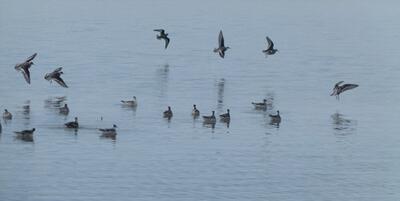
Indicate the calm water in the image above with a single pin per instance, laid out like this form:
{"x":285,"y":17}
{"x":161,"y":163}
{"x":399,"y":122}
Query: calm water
{"x":323,"y":149}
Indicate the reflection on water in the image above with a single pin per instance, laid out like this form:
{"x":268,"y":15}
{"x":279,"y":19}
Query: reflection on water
{"x":25,"y":138}
{"x":162,"y":78}
{"x":342,"y":125}
{"x":220,"y":94}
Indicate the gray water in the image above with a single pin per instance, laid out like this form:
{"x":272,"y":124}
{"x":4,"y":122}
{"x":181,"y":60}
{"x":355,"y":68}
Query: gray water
{"x":323,"y":149}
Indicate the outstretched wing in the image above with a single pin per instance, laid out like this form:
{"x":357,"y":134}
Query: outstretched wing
{"x":166,"y":42}
{"x":221,"y":39}
{"x":60,"y":81}
{"x":270,"y":44}
{"x":348,"y":87}
{"x":337,"y":84}
{"x":159,"y":30}
{"x":30,"y":58}
{"x":27,"y":75}
{"x":57,"y":70}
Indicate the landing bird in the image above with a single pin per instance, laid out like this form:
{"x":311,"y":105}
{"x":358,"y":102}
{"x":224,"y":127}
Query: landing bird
{"x":221,"y":45}
{"x":24,"y":68}
{"x":56,"y":76}
{"x":340,"y":89}
{"x":270,"y":48}
{"x":163,"y":35}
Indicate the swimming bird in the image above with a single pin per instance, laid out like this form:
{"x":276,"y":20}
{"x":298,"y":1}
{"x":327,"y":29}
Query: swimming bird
{"x":195,"y":111}
{"x":7,"y":114}
{"x":24,"y":68}
{"x":270,"y":48}
{"x":56,"y":76}
{"x":276,"y":118}
{"x":163,"y":35}
{"x":25,"y":133}
{"x":221,"y":45}
{"x":225,"y":117}
{"x":260,"y":106}
{"x":73,"y":124}
{"x":109,"y":132}
{"x":106,"y":130}
{"x":64,"y":110}
{"x":210,"y":119}
{"x":168,"y":113}
{"x":338,"y":89}
{"x":131,"y":103}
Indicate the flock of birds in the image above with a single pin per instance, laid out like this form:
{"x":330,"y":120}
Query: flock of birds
{"x":112,"y":132}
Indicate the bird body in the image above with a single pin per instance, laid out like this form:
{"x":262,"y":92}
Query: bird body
{"x":270,"y":48}
{"x":262,"y":105}
{"x":64,"y":110}
{"x":275,"y":117}
{"x":24,"y":68}
{"x":7,"y":114}
{"x":164,"y":36}
{"x":25,"y":133}
{"x":73,"y":124}
{"x":225,"y":117}
{"x":195,"y":111}
{"x":210,"y":119}
{"x":221,"y":45}
{"x":168,"y":113}
{"x":132,"y":103}
{"x":56,"y":76}
{"x":338,"y":89}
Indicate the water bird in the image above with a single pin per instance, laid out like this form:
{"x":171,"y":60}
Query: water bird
{"x":113,"y":129}
{"x":260,"y":106}
{"x":168,"y":113}
{"x":276,"y":118}
{"x":64,"y":110}
{"x":25,"y":133}
{"x":338,"y":89}
{"x":163,"y":35}
{"x":24,"y":67}
{"x":7,"y":114}
{"x":221,"y":45}
{"x":195,"y":111}
{"x":270,"y":48}
{"x":210,"y":119}
{"x":72,"y":124}
{"x":56,"y":76}
{"x":131,"y":103}
{"x":109,"y":132}
{"x":225,"y":117}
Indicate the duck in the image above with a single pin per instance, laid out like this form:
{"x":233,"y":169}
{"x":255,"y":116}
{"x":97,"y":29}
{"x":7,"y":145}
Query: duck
{"x":25,"y":133}
{"x":64,"y":110}
{"x":131,"y":103}
{"x":56,"y":76}
{"x":210,"y":119}
{"x":168,"y":113}
{"x":109,"y":132}
{"x":195,"y":111}
{"x":262,"y":105}
{"x":270,"y":48}
{"x":7,"y":114}
{"x":225,"y":117}
{"x":338,"y":89}
{"x":275,"y":117}
{"x":164,"y":36}
{"x":221,"y":45}
{"x":73,"y":124}
{"x":24,"y":67}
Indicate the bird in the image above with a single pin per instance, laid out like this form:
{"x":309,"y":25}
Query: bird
{"x":132,"y":103}
{"x":56,"y":76}
{"x":24,"y":68}
{"x":64,"y":110}
{"x":73,"y":124}
{"x":168,"y":113}
{"x":105,"y":130}
{"x":221,"y":45}
{"x":225,"y":117}
{"x":195,"y":111}
{"x":276,"y":118}
{"x":25,"y":133}
{"x":270,"y":48}
{"x":260,"y":106}
{"x":338,"y":89}
{"x":210,"y":119}
{"x":7,"y":114}
{"x":163,"y":35}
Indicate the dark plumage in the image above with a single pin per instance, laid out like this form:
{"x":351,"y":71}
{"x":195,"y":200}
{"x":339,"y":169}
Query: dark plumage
{"x":210,"y":119}
{"x":226,"y":116}
{"x":338,"y":89}
{"x":221,"y":45}
{"x":260,"y":106}
{"x":64,"y":110}
{"x":275,"y":117}
{"x":270,"y":48}
{"x":163,"y":35}
{"x":109,"y":130}
{"x":168,"y":113}
{"x":25,"y":132}
{"x":56,"y":76}
{"x":73,"y":124}
{"x":195,"y":111}
{"x":24,"y":68}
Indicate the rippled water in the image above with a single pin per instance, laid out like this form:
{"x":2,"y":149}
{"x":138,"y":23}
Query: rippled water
{"x":323,"y":149}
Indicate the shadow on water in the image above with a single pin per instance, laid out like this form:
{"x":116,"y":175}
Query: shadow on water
{"x":343,"y":126}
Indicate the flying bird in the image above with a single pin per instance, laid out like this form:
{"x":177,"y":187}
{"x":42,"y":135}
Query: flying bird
{"x":221,"y":45}
{"x":270,"y":48}
{"x":56,"y":76}
{"x":338,"y":89}
{"x":24,"y":68}
{"x":163,"y":35}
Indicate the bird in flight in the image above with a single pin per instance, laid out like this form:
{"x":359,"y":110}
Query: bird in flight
{"x":221,"y":45}
{"x":56,"y":76}
{"x":270,"y":48}
{"x":338,"y":89}
{"x":24,"y":68}
{"x":163,"y":35}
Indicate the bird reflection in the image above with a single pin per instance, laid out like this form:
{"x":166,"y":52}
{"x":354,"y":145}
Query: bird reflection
{"x":220,"y":95}
{"x":162,"y":77}
{"x":342,"y":125}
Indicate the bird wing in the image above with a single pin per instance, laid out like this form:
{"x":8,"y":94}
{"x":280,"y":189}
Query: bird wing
{"x":58,"y":69}
{"x":60,"y":81}
{"x":221,"y":39}
{"x":348,"y":87}
{"x":337,"y":84}
{"x":30,"y":58}
{"x":270,"y":44}
{"x":159,"y":30}
{"x":166,"y":42}
{"x":27,"y":75}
